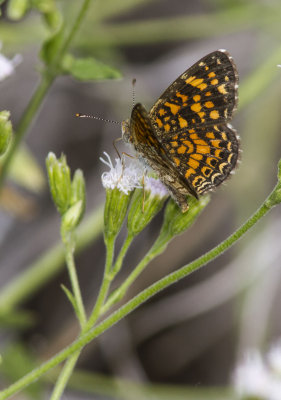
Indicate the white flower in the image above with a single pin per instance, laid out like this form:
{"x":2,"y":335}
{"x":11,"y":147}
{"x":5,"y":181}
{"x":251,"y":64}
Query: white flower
{"x":7,"y":66}
{"x":156,"y":187}
{"x":274,"y":358}
{"x":251,"y":377}
{"x":124,"y":178}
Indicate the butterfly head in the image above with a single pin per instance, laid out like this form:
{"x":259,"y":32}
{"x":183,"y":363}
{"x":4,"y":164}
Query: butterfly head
{"x":125,"y":129}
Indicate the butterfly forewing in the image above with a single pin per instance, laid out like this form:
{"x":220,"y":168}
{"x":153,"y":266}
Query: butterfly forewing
{"x":205,"y":94}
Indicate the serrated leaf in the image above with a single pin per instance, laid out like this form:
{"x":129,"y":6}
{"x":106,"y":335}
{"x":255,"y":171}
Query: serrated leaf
{"x":51,"y":46}
{"x":89,"y":69}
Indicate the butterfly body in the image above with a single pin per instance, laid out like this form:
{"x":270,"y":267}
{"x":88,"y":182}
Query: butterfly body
{"x":186,"y":137}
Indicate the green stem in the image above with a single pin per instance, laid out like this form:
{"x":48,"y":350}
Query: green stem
{"x":48,"y":265}
{"x":137,"y":301}
{"x":119,"y":293}
{"x":121,"y":255}
{"x":64,"y":376}
{"x":25,"y":121}
{"x":75,"y":27}
{"x":104,"y":286}
{"x":47,"y":79}
{"x":69,"y":249}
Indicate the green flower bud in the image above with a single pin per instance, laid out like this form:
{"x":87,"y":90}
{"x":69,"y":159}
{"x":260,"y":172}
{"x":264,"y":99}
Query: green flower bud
{"x":144,"y":206}
{"x":116,"y":205}
{"x":43,"y":6}
{"x":72,"y":217}
{"x":17,"y":9}
{"x":59,"y":181}
{"x":53,"y":19}
{"x":78,"y":190}
{"x":6,"y":131}
{"x":175,"y":222}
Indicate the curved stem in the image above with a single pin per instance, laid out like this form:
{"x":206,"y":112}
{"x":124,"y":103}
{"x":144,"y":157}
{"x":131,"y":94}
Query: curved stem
{"x":104,"y":286}
{"x":25,"y":122}
{"x":119,"y":261}
{"x":48,"y":265}
{"x":136,"y":302}
{"x":69,"y":248}
{"x":36,"y":100}
{"x":64,"y":376}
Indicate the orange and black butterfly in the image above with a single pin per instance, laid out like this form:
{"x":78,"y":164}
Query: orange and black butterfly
{"x":186,"y":137}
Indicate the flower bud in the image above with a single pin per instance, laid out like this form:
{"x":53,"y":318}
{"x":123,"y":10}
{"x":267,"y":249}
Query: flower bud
{"x":145,"y":204}
{"x":59,"y":181}
{"x":116,"y":205}
{"x":17,"y":9}
{"x":175,"y":222}
{"x":6,"y":131}
{"x":78,"y":190}
{"x":72,"y":217}
{"x":119,"y":182}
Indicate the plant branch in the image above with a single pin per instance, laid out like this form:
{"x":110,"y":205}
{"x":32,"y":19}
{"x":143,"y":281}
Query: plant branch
{"x":140,"y":299}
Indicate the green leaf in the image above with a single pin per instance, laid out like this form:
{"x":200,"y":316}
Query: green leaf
{"x":51,"y":46}
{"x":6,"y":131}
{"x":89,"y":69}
{"x":71,"y":298}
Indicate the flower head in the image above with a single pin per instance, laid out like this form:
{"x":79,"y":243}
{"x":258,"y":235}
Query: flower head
{"x":146,"y":203}
{"x":7,"y":67}
{"x":156,"y":187}
{"x":124,"y":178}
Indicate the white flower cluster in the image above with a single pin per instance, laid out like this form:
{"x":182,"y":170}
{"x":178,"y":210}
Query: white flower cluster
{"x":156,"y":187}
{"x":258,"y":377}
{"x":129,"y":177}
{"x":124,"y":178}
{"x":7,"y":66}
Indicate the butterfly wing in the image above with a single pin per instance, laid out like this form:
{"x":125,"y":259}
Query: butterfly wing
{"x":205,"y":157}
{"x":205,"y":94}
{"x":153,"y":153}
{"x":191,"y":121}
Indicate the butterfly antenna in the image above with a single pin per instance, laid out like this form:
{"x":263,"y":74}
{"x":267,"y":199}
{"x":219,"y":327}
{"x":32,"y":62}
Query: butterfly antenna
{"x":134,"y":84}
{"x":79,"y":115}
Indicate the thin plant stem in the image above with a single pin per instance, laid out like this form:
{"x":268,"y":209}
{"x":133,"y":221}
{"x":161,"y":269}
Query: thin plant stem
{"x":25,"y":122}
{"x":119,"y":261}
{"x":69,"y":249}
{"x":49,"y":75}
{"x":119,"y":293}
{"x":104,"y":286}
{"x":139,"y":299}
{"x":64,"y":376}
{"x":49,"y":264}
{"x":75,"y":27}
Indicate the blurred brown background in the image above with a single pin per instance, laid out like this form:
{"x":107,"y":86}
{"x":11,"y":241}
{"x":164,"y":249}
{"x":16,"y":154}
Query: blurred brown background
{"x":194,"y":332}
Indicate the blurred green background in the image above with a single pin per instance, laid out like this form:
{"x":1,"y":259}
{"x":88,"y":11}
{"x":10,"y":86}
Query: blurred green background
{"x":190,"y":336}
